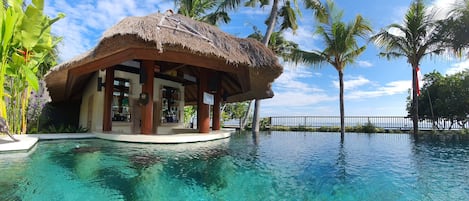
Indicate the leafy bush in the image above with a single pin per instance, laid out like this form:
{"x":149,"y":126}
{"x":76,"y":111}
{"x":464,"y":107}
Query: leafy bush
{"x":369,"y":128}
{"x":329,"y":129}
{"x":65,"y":129}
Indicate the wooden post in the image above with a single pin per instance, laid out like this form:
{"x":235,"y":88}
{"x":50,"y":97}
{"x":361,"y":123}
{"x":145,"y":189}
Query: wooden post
{"x":109,"y":88}
{"x":147,"y":87}
{"x":216,"y":105}
{"x":203,"y":118}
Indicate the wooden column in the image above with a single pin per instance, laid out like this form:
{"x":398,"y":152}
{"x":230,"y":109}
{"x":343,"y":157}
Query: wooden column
{"x":109,"y":88}
{"x":203,"y":118}
{"x":147,"y":87}
{"x":216,"y":105}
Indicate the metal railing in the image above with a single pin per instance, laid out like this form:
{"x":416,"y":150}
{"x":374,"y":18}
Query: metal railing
{"x":385,"y":122}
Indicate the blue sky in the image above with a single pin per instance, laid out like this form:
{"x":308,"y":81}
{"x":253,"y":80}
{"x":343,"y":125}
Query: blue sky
{"x":373,"y":85}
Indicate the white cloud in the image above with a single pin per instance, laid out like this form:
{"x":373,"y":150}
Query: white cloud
{"x":441,"y":8}
{"x":352,"y":83}
{"x":255,"y":11}
{"x":290,"y":80}
{"x":391,"y":88}
{"x":298,"y":98}
{"x":293,"y":90}
{"x":364,"y":64}
{"x":303,"y":36}
{"x":458,"y":67}
{"x":85,"y":21}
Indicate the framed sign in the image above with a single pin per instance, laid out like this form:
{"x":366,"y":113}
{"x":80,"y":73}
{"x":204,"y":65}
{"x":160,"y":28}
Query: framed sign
{"x":208,"y":98}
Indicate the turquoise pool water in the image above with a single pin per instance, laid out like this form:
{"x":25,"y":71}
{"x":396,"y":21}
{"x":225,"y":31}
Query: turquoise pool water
{"x":275,"y":166}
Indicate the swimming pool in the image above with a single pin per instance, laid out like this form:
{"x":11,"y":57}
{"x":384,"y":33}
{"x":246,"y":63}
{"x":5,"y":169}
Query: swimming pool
{"x":275,"y":166}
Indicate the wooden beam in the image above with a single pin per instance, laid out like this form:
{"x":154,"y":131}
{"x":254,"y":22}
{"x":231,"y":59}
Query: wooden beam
{"x":168,"y":55}
{"x":173,"y":68}
{"x":102,"y":63}
{"x":147,"y":87}
{"x":109,"y":88}
{"x":154,"y":55}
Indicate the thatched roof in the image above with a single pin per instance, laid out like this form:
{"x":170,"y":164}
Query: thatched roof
{"x":172,"y":39}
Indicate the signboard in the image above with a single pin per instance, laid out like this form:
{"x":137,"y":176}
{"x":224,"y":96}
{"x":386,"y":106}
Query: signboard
{"x":208,"y":98}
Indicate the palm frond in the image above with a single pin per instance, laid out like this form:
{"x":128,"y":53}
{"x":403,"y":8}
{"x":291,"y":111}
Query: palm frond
{"x":320,"y":12}
{"x":226,"y":5}
{"x":253,"y":3}
{"x":214,"y":18}
{"x":391,"y":55}
{"x":350,"y":56}
{"x":300,"y":56}
{"x":289,"y":17}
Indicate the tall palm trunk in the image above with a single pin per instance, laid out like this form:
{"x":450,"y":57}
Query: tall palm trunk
{"x":415,"y":106}
{"x":341,"y":97}
{"x":265,"y":41}
{"x":244,"y":120}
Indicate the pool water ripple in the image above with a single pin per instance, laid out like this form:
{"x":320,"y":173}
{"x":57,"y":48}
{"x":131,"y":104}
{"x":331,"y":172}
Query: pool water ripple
{"x":271,"y":166}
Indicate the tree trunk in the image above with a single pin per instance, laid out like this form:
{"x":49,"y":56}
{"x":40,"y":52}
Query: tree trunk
{"x":341,"y":97}
{"x":415,"y":106}
{"x":270,"y":28}
{"x":255,"y":117}
{"x":243,"y":120}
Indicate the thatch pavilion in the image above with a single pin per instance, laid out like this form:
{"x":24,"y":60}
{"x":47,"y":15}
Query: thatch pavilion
{"x":144,"y":70}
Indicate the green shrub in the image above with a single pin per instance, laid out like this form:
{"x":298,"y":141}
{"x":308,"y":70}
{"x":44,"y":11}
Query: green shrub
{"x":65,"y":129}
{"x":329,"y":129}
{"x":464,"y":131}
{"x":369,"y":128}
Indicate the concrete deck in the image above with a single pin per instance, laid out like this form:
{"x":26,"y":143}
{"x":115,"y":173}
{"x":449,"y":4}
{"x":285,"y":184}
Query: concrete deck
{"x":26,"y":142}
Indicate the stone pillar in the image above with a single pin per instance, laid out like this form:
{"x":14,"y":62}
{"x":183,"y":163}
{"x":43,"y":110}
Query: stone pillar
{"x":147,"y":89}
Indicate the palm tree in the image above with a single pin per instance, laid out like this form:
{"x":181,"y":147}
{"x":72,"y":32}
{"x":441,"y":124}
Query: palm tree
{"x":453,"y":30}
{"x":277,"y":43}
{"x":208,"y":11}
{"x":288,"y":15}
{"x":341,"y":47}
{"x":281,"y":47}
{"x":417,"y":38}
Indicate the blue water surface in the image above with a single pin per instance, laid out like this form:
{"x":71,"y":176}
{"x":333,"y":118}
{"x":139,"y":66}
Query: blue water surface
{"x":272,"y":166}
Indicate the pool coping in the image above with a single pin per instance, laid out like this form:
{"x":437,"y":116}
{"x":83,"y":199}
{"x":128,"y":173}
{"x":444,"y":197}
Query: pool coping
{"x":26,"y":142}
{"x":166,"y":139}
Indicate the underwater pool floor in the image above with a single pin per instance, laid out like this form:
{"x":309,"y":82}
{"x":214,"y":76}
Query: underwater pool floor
{"x":271,"y":166}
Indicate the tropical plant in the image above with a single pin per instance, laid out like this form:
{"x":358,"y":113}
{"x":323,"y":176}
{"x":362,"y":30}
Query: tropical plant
{"x":277,"y":43}
{"x":235,"y":111}
{"x":445,"y":99}
{"x":416,"y":38}
{"x":341,"y":47}
{"x":281,"y":47}
{"x":189,"y":113}
{"x":208,"y":11}
{"x":26,"y":44}
{"x":452,"y":31}
{"x":288,"y":15}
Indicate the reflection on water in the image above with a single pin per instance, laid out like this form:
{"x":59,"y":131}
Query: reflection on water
{"x":269,"y":166}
